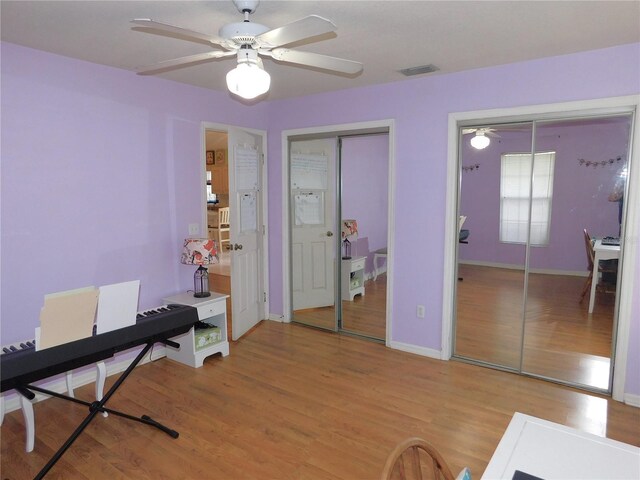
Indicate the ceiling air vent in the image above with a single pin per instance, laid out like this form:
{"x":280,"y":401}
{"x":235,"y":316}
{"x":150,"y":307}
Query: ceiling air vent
{"x":419,"y":70}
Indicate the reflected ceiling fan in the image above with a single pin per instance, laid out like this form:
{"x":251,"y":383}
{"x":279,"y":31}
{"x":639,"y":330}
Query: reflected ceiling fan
{"x":247,"y":41}
{"x":481,"y":138}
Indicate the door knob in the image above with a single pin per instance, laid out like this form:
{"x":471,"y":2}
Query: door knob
{"x":228,"y":247}
{"x":329,"y":234}
{"x":237,"y":246}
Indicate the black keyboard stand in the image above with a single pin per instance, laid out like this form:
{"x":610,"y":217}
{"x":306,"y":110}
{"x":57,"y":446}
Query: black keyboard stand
{"x":95,"y":408}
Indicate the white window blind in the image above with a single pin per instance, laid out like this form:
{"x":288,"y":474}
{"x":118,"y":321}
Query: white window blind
{"x":515,"y":191}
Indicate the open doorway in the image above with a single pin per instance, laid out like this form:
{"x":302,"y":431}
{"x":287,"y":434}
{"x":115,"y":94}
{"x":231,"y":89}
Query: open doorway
{"x":217,"y":195}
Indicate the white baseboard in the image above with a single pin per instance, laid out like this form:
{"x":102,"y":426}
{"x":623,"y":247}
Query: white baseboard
{"x":425,"y":352}
{"x":509,"y":266}
{"x":276,"y":318}
{"x":85,"y":376}
{"x":633,"y":400}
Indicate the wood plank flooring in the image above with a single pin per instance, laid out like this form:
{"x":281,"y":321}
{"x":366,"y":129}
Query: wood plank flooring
{"x":291,"y":402}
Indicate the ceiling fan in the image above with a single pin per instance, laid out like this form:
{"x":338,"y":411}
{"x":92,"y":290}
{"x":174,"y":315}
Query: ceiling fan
{"x":485,"y":131}
{"x":481,"y":138}
{"x":247,"y":41}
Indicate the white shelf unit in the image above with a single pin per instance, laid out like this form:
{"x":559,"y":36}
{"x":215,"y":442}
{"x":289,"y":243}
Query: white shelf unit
{"x":352,"y":277}
{"x":212,"y":310}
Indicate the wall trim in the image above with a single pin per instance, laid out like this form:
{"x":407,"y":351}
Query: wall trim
{"x":422,"y":351}
{"x":510,"y":266}
{"x":632,"y":400}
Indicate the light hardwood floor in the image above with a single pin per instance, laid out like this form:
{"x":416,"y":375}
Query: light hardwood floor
{"x":561,"y":339}
{"x":291,"y":402}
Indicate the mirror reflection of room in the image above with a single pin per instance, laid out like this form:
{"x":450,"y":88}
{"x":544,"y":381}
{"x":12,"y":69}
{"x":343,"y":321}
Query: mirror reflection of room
{"x":364,"y":232}
{"x":552,"y":316}
{"x":313,"y":232}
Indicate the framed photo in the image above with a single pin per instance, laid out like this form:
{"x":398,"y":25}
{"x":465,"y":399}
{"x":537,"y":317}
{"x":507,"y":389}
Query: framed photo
{"x":221,"y":157}
{"x":210,"y":157}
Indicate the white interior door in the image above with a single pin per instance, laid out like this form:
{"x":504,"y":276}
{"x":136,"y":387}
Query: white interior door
{"x":246,"y":229}
{"x":313,"y":240}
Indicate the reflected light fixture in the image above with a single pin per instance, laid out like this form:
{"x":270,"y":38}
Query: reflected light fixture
{"x":249,"y":79}
{"x":480,"y":140}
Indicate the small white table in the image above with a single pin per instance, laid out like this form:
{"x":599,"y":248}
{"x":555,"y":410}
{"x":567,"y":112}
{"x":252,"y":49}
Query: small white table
{"x":601,"y":252}
{"x":212,"y":310}
{"x":551,"y":451}
{"x":352,"y":277}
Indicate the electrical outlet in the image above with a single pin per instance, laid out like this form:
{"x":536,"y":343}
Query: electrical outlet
{"x":420,"y":311}
{"x":194,"y":228}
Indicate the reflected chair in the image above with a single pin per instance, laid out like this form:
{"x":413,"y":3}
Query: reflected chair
{"x":223,"y":225}
{"x":380,"y":254}
{"x":604,"y":267}
{"x":415,"y":458}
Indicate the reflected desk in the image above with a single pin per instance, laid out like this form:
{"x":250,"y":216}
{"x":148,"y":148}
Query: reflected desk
{"x":551,"y":451}
{"x":602,"y":252}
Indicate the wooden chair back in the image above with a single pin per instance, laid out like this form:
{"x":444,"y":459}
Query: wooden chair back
{"x":589,"y":246}
{"x":416,"y":459}
{"x":223,"y":217}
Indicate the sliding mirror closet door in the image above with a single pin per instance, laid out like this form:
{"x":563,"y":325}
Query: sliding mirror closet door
{"x":314,"y":237}
{"x":494,"y":208}
{"x":577,"y":187}
{"x":364,"y":174}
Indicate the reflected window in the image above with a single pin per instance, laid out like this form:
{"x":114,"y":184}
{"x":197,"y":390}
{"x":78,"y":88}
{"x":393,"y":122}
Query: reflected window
{"x":515,"y":191}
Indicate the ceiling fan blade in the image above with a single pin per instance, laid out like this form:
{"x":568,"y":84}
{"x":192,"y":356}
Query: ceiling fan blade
{"x":316,"y":60}
{"x":182,"y":62}
{"x":306,"y":27}
{"x":183,"y":33}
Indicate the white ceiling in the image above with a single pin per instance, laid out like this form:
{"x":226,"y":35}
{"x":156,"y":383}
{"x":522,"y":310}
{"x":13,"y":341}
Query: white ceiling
{"x":385,"y":35}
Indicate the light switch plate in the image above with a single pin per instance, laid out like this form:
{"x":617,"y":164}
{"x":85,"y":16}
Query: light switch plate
{"x":194,"y":229}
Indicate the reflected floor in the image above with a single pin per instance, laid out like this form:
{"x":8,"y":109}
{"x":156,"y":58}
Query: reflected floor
{"x":366,"y":315}
{"x":562,"y":340}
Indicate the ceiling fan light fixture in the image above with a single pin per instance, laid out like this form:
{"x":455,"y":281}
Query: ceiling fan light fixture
{"x":248,"y":80}
{"x":480,"y":141}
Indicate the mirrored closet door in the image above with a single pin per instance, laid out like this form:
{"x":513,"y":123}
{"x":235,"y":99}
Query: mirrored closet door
{"x":312,"y":192}
{"x":339,"y":202}
{"x":539,"y":249}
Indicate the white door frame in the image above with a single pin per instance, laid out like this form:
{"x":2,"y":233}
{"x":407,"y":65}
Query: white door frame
{"x":224,"y":128}
{"x":596,"y":107}
{"x":338,"y":130}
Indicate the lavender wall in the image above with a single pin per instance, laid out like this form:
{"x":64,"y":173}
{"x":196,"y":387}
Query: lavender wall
{"x":98,"y":173}
{"x":579,"y":192}
{"x":98,"y":168}
{"x":420,"y":108}
{"x":365,"y":172}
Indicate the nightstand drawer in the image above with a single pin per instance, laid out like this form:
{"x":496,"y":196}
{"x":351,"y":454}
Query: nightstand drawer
{"x":211,"y":309}
{"x":357,"y":265}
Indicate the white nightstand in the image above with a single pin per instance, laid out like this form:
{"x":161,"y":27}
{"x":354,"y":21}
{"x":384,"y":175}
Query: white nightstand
{"x":194,"y":345}
{"x":352,"y":277}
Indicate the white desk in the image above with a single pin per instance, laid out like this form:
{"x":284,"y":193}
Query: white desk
{"x":602,"y":252}
{"x":551,"y":451}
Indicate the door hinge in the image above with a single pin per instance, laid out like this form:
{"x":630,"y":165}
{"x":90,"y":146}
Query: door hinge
{"x":264,"y":297}
{"x":264,"y":230}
